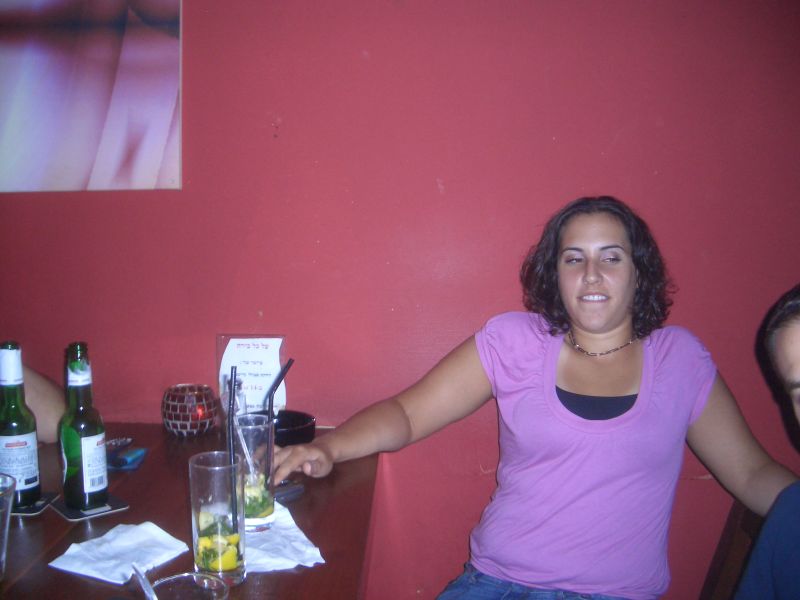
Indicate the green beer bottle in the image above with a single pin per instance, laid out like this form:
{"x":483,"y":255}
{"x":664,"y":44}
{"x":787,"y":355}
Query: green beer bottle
{"x":82,"y":437}
{"x":19,"y":455}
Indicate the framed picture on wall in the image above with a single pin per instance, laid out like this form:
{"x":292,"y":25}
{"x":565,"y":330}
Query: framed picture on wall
{"x":90,"y":95}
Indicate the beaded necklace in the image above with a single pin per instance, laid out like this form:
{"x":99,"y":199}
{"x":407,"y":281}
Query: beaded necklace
{"x":582,"y":350}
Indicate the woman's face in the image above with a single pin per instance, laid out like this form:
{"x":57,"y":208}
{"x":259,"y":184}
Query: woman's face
{"x":596,"y":275}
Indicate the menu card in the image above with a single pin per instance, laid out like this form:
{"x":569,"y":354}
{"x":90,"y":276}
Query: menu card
{"x":258,"y":359}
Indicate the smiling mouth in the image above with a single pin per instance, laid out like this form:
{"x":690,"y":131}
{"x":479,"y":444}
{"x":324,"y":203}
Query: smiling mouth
{"x":594,"y":298}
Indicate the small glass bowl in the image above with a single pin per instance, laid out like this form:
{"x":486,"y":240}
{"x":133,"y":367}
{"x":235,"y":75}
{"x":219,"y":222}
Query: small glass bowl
{"x":189,"y":409}
{"x":191,"y":586}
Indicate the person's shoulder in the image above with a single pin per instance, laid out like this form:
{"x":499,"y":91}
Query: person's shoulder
{"x":682,"y":362}
{"x":791,"y":493}
{"x":518,"y":319}
{"x":676,"y":338}
{"x":516,"y":325}
{"x":513,"y":334}
{"x":678,"y":332}
{"x":786,"y":506}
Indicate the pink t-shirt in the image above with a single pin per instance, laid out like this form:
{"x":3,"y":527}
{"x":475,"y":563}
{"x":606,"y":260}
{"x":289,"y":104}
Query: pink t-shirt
{"x":585,"y":505}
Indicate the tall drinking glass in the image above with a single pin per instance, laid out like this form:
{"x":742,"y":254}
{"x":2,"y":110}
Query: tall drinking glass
{"x":254,"y":442}
{"x":218,"y":520}
{"x":7,"y":485}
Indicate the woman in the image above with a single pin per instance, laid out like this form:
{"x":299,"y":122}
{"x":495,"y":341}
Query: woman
{"x":595,"y":401}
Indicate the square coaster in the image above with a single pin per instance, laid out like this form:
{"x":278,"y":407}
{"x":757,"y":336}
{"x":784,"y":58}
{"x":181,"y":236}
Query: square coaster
{"x":37,"y":508}
{"x":71,"y":514}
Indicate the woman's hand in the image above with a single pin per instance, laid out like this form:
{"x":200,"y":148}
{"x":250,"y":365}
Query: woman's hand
{"x":311,"y":459}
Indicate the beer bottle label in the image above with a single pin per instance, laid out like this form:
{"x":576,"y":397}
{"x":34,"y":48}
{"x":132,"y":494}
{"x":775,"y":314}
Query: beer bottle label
{"x":78,"y":374}
{"x":93,"y":458}
{"x":20,"y":459}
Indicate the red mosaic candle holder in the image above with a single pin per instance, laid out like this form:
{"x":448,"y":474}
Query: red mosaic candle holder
{"x":189,"y":409}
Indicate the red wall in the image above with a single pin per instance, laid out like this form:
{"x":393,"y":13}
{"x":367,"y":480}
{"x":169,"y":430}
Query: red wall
{"x":365,"y":178}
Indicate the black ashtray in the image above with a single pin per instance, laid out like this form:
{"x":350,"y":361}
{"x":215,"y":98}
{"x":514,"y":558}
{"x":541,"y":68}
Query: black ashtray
{"x":293,"y":427}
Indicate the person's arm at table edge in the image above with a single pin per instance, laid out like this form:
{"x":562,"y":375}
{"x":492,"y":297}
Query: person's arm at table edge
{"x":724,"y":443}
{"x":46,"y":400}
{"x":453,"y":389}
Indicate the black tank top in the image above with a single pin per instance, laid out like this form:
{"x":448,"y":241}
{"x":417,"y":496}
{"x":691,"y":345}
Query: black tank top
{"x":595,"y":408}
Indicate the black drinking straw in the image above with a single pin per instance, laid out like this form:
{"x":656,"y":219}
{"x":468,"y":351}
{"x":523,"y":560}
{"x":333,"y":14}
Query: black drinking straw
{"x":274,"y":387}
{"x":231,"y":417}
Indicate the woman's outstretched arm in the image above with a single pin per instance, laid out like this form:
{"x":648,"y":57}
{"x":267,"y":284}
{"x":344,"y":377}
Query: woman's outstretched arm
{"x":453,"y":389}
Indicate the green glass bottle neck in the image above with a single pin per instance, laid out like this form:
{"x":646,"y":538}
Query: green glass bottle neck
{"x":12,"y":399}
{"x":79,"y":397}
{"x":12,"y":394}
{"x":15,"y":417}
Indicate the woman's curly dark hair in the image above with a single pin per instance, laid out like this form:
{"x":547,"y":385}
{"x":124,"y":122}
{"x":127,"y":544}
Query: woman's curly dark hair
{"x":539,"y":272}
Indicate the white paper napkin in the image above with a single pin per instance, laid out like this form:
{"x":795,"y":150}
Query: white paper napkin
{"x":110,"y":556}
{"x":282,"y":546}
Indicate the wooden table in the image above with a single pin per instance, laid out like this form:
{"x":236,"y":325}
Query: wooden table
{"x":333,"y":512}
